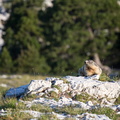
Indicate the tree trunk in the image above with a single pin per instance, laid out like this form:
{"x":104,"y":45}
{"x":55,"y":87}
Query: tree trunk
{"x":105,"y":69}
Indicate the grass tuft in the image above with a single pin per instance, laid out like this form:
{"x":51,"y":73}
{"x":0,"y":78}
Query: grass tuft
{"x":41,"y":108}
{"x":84,"y":97}
{"x":72,"y":110}
{"x":117,"y":100}
{"x":107,"y":111}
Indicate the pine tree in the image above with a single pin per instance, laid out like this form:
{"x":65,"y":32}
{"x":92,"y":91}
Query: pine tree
{"x":77,"y":29}
{"x":5,"y":62}
{"x":22,"y":36}
{"x":30,"y":61}
{"x":24,"y":27}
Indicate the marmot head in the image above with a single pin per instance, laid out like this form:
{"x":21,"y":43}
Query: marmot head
{"x":90,"y":63}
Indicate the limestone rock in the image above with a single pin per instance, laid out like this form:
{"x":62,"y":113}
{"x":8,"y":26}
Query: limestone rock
{"x":88,"y":116}
{"x":62,"y":102}
{"x":64,"y":87}
{"x":37,"y":86}
{"x":51,"y":90}
{"x":57,"y":82}
{"x":108,"y":91}
{"x":105,"y":92}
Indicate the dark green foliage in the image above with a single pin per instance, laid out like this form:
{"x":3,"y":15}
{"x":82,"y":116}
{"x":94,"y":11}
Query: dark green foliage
{"x":5,"y":61}
{"x":114,"y":53}
{"x":60,"y":38}
{"x":76,"y":30}
{"x":22,"y":37}
{"x":30,"y":61}
{"x":22,"y":28}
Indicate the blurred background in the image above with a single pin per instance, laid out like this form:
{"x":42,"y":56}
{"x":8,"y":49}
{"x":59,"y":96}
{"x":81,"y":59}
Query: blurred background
{"x":56,"y":36}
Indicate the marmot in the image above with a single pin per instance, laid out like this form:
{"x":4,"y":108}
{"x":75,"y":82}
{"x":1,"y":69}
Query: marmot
{"x":90,"y":68}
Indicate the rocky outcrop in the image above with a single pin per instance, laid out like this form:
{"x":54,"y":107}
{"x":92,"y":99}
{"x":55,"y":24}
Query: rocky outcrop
{"x":104,"y":92}
{"x":37,"y":86}
{"x":91,"y":92}
{"x":84,"y":116}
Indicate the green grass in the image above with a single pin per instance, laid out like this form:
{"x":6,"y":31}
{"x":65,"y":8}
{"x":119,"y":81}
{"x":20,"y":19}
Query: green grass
{"x":57,"y":86}
{"x":105,"y":77}
{"x":48,"y":117}
{"x":117,"y":100}
{"x":70,"y":110}
{"x":84,"y":97}
{"x":12,"y":105}
{"x":41,"y":108}
{"x":107,"y":111}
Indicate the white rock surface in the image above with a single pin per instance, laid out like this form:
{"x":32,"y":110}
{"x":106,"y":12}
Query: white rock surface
{"x":37,"y":86}
{"x":57,"y":82}
{"x":84,"y":116}
{"x":64,"y":87}
{"x":107,"y":92}
{"x":3,"y":112}
{"x":52,"y":89}
{"x":62,"y":102}
{"x":33,"y":113}
{"x":98,"y":89}
{"x":3,"y":85}
{"x":88,"y":116}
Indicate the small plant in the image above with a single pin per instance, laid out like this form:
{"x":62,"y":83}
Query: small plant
{"x":11,"y":103}
{"x":65,"y":81}
{"x":54,"y":95}
{"x":48,"y":117}
{"x":16,"y":114}
{"x":56,"y":86}
{"x":116,"y":78}
{"x":104,"y":77}
{"x":84,"y":97}
{"x":30,"y":97}
{"x":117,"y":100}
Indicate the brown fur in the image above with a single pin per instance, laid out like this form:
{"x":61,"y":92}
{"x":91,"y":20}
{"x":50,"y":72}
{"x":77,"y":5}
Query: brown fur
{"x":90,"y":68}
